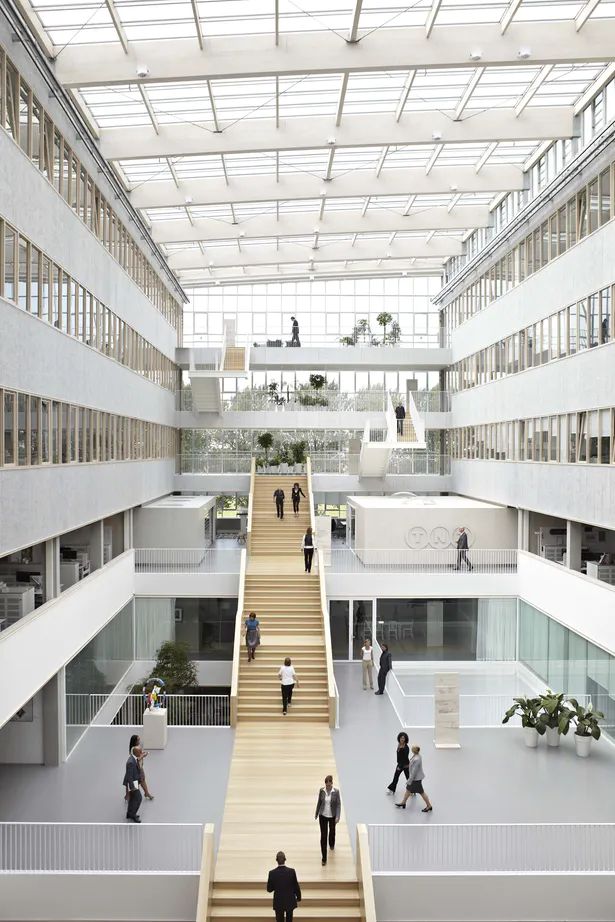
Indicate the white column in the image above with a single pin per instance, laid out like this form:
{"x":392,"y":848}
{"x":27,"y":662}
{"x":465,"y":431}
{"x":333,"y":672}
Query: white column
{"x":54,"y":720}
{"x":574,"y":540}
{"x":523,"y":529}
{"x":435,"y":623}
{"x":128,"y":536}
{"x":52,"y":569}
{"x":96,"y":545}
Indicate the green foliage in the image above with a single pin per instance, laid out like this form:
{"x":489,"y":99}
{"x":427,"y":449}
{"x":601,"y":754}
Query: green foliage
{"x":312,"y":400}
{"x":394,"y":334}
{"x":174,"y":667}
{"x":554,"y":713}
{"x":529,"y":711}
{"x":265,"y":441}
{"x":317,"y":382}
{"x":348,"y":340}
{"x":298,"y":450}
{"x":586,"y":719}
{"x":384,"y":319}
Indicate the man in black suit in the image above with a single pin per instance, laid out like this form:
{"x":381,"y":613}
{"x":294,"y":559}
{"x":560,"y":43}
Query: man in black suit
{"x":386,"y":664}
{"x":131,"y":783}
{"x":283,"y":883}
{"x":279,"y":497}
{"x":462,"y":549}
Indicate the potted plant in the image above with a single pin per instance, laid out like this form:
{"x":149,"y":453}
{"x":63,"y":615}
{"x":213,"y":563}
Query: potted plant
{"x":587,"y":727}
{"x":554,"y":716}
{"x":528,"y":709}
{"x":265,"y":441}
{"x":384,"y":319}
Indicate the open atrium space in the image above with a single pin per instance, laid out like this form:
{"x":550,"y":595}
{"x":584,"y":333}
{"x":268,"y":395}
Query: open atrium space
{"x":307,"y":398}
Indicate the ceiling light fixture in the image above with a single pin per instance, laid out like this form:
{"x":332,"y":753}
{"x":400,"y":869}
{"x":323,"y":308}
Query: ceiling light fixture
{"x":142,"y":71}
{"x":476,"y":55}
{"x":242,"y":233}
{"x":524,"y":54}
{"x":436,"y":135}
{"x":188,"y":200}
{"x":323,"y":193}
{"x":453,"y":187}
{"x":331,"y":142}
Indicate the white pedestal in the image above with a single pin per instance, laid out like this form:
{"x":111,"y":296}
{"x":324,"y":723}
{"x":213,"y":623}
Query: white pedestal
{"x":446,"y":718}
{"x":154,"y":734}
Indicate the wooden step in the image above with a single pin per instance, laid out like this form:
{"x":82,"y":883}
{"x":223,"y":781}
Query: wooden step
{"x":243,"y":913}
{"x":227,"y":894}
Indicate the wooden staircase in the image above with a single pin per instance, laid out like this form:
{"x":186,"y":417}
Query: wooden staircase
{"x":234,"y":358}
{"x":279,"y":762}
{"x":408,"y":433}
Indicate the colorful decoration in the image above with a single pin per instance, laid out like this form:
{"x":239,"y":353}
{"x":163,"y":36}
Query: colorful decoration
{"x":154,"y":696}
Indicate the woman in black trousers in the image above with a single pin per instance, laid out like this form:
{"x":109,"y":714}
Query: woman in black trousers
{"x":403,"y":761}
{"x":295,"y":495}
{"x":308,"y":547}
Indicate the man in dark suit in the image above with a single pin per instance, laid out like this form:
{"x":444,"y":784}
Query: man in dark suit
{"x":386,"y":664}
{"x":400,"y":415}
{"x":462,"y":549}
{"x":283,"y":883}
{"x":279,"y":497}
{"x":131,"y":783}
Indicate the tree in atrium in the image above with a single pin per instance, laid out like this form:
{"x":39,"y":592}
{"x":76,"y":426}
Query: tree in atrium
{"x":384,"y":319}
{"x":175,"y":667}
{"x":265,"y":441}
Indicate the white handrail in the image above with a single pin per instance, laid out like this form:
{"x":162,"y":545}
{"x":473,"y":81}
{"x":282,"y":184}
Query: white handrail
{"x":426,"y":560}
{"x":237,"y":638}
{"x":187,"y":560}
{"x":417,"y":419}
{"x":189,"y":710}
{"x":491,"y":848}
{"x":54,"y":848}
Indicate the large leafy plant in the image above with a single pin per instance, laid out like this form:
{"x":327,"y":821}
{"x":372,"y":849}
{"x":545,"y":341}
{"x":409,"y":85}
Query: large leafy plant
{"x":528,"y":709}
{"x":555,"y":713}
{"x":586,"y":719}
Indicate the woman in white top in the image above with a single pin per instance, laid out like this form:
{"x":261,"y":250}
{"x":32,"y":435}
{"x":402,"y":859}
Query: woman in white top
{"x":288,"y":680}
{"x":367,"y":659}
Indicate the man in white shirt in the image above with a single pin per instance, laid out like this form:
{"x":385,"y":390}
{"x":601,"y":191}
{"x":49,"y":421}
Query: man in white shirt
{"x":328,"y":811}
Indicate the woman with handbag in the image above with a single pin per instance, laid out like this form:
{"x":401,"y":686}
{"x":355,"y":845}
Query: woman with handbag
{"x":253,"y":634}
{"x":414,"y":785}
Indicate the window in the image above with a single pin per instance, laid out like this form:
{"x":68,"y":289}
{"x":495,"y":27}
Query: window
{"x":10,"y":263}
{"x":22,"y":297}
{"x":9,"y":427}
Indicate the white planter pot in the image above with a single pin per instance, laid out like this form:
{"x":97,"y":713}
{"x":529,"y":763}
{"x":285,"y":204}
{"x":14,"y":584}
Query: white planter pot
{"x":552,"y":736}
{"x":583,"y":745}
{"x":530,"y":737}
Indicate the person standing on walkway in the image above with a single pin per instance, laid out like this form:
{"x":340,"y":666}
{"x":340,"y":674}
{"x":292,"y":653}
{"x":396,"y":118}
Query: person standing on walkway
{"x":367,"y":663}
{"x":253,"y":634}
{"x":328,"y":810}
{"x":279,"y":497}
{"x":403,"y":761}
{"x":462,"y":549}
{"x":308,"y":547}
{"x":400,"y":415}
{"x":135,"y":740}
{"x":295,"y":494}
{"x":414,"y":785}
{"x":283,"y":883}
{"x":131,"y":783}
{"x":386,"y":664}
{"x":288,"y":680}
{"x":295,"y":337}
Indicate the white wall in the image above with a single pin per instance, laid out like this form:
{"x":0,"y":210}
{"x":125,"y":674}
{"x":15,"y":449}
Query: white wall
{"x":578,"y":382}
{"x":172,"y":526}
{"x":583,"y":492}
{"x":575,"y":274}
{"x":388,"y":527}
{"x":401,"y":585}
{"x":41,"y":502}
{"x":584,"y":605}
{"x":21,"y":742}
{"x":36,"y":358}
{"x":195,"y":585}
{"x":494,"y":897}
{"x":50,"y":637}
{"x":321,"y":483}
{"x":393,"y":358}
{"x":58,"y":897}
{"x":281,"y":419}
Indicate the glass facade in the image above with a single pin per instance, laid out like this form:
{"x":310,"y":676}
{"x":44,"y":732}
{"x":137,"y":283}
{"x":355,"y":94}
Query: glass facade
{"x":567,"y":662}
{"x":96,"y":670}
{"x":207,"y":626}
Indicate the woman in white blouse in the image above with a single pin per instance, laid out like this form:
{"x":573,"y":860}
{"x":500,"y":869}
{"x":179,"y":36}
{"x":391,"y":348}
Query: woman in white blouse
{"x":288,"y":680}
{"x":367,"y":662}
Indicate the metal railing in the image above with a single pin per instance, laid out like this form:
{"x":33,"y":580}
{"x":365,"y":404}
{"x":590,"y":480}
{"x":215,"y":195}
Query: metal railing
{"x":334,"y":462}
{"x":213,"y":462}
{"x":419,"y":462}
{"x":432,"y":401}
{"x":306,"y":400}
{"x":513,"y":848}
{"x":123,"y":710}
{"x":482,"y":560}
{"x":55,"y":848}
{"x":187,"y":560}
{"x":415,"y":340}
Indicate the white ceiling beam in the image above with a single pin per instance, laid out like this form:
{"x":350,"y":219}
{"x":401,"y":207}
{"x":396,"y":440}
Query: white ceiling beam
{"x":149,"y":107}
{"x":346,"y":270}
{"x":294,"y":253}
{"x":482,"y":160}
{"x":365,"y":206}
{"x":197,"y":23}
{"x":354,"y":184}
{"x":432,"y":16}
{"x":119,"y":28}
{"x":276,"y":13}
{"x":533,"y":88}
{"x":452,"y":206}
{"x":239,"y":57}
{"x":409,"y":204}
{"x":403,"y":99}
{"x":381,"y":160}
{"x":601,"y":81}
{"x":37,"y":27}
{"x":438,"y":148}
{"x":509,"y":14}
{"x":377,"y":130}
{"x":353,"y":32}
{"x":336,"y":222}
{"x":584,"y":14}
{"x":467,"y":93}
{"x":329,"y":171}
{"x":341,"y":100}
{"x":212,"y":103}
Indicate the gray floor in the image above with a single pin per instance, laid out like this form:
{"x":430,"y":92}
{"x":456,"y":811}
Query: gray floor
{"x":493,"y":778}
{"x":471,"y":683}
{"x":188,"y":780}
